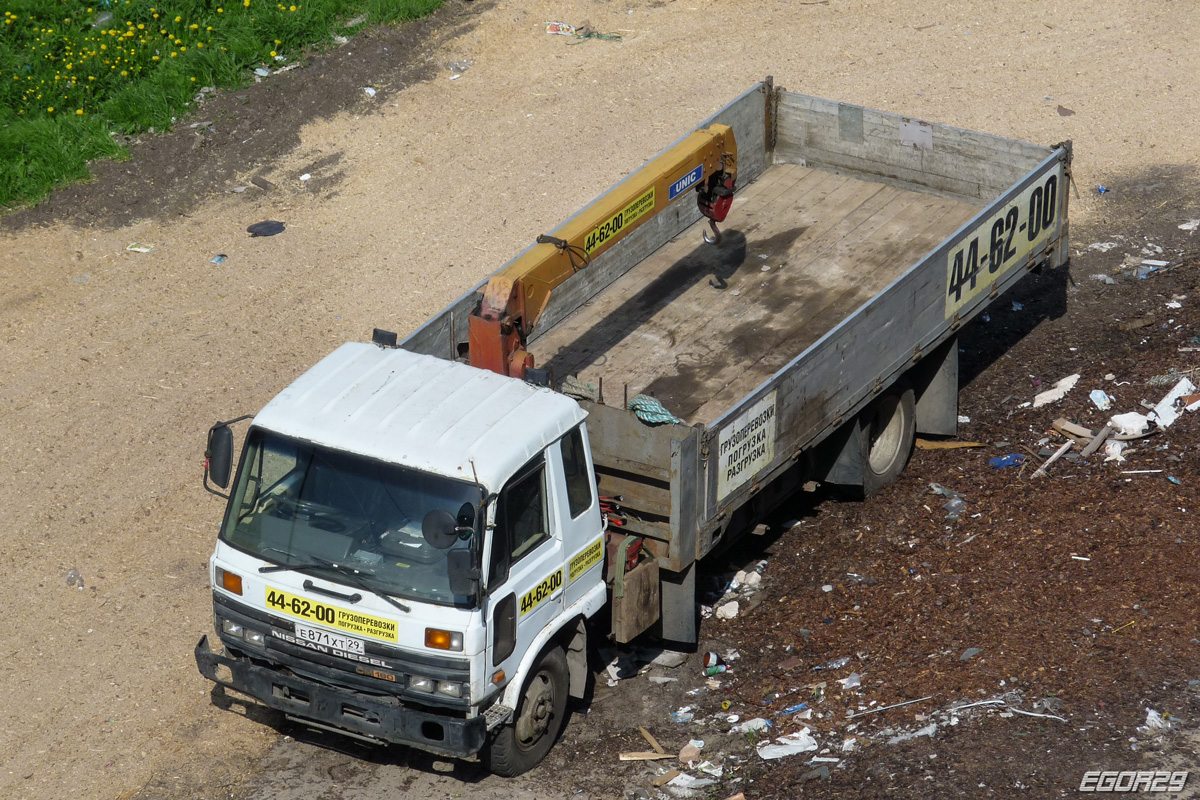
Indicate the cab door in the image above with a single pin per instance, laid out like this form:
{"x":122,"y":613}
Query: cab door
{"x":578,"y":511}
{"x":526,"y":575}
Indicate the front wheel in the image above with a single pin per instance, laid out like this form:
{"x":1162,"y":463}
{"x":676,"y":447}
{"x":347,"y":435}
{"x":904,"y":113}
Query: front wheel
{"x":522,"y":744}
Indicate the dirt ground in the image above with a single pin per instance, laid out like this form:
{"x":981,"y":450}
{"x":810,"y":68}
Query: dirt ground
{"x":116,"y":362}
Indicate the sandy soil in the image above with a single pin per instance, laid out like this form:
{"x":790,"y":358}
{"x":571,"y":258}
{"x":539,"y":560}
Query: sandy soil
{"x":117,"y":362}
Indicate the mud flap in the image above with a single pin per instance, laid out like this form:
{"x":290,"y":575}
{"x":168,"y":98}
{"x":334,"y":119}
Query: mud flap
{"x":635,"y":601}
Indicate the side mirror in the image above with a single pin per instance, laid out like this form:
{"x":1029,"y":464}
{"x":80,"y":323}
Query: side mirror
{"x":438,"y":528}
{"x":464,"y":577}
{"x":219,"y":454}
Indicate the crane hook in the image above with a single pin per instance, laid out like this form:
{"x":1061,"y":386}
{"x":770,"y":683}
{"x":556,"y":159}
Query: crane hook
{"x":716,"y":237}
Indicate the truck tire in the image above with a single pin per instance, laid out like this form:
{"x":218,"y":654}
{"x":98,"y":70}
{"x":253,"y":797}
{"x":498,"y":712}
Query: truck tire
{"x":888,"y":430}
{"x":522,"y":744}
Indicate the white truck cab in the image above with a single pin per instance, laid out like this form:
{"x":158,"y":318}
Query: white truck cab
{"x":409,"y":551}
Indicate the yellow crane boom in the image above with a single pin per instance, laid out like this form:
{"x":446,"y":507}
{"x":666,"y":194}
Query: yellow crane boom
{"x":704,"y":162}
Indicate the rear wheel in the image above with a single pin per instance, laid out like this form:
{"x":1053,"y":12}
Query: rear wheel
{"x":522,"y":744}
{"x":888,"y":430}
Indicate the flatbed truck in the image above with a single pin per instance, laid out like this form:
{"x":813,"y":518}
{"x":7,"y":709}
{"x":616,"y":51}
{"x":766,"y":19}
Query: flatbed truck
{"x":419,"y":531}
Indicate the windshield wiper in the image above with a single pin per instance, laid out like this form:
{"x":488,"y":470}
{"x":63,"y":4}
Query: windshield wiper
{"x":351,"y":573}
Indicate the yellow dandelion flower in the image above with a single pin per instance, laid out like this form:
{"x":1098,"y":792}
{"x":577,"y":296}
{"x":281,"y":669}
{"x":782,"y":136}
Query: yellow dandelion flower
{"x":272,"y":54}
{"x":179,"y":19}
{"x":173,"y":54}
{"x":293,"y":8}
{"x":49,"y":110}
{"x":79,"y":111}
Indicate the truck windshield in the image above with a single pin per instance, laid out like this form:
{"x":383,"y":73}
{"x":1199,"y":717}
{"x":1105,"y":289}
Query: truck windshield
{"x":322,"y":510}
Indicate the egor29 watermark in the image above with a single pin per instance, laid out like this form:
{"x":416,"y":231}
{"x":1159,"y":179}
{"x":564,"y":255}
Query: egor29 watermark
{"x":1131,"y":781}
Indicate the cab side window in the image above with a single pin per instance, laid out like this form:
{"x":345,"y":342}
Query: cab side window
{"x":579,"y":484}
{"x":520,"y":519}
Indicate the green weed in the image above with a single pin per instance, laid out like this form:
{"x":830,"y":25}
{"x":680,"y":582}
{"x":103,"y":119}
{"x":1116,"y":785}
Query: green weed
{"x":76,"y":73}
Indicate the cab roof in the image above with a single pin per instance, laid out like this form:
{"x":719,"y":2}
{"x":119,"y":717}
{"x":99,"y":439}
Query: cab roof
{"x":422,"y":412}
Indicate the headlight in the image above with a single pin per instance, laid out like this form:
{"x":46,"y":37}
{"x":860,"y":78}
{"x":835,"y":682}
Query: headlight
{"x":256,"y":637}
{"x":232,"y":628}
{"x":450,"y":688}
{"x":421,"y":684}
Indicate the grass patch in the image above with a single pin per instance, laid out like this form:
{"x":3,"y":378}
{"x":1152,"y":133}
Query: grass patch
{"x":76,"y":73}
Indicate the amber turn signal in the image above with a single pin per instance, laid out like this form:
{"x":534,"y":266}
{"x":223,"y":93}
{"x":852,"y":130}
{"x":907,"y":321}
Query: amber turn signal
{"x":443,"y":640}
{"x":229,"y":582}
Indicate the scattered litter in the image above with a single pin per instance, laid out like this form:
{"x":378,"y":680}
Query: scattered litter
{"x":1103,"y":247}
{"x":928,"y":444}
{"x":1101,"y":399}
{"x":684,"y":714}
{"x":1154,"y":262}
{"x":1113,"y":451}
{"x":661,"y":679}
{"x":262,"y":72}
{"x":715,"y":770}
{"x":1080,"y":558}
{"x":643,"y":755}
{"x":685,"y":781}
{"x":888,"y":708}
{"x":796,"y":709}
{"x":1155,"y":720}
{"x":728,"y":611}
{"x":1058,"y":392}
{"x":954,"y":507}
{"x":963,"y":420}
{"x":970,"y":652}
{"x":853,"y":681}
{"x":262,"y":183}
{"x":790,"y":745}
{"x":848,"y":744}
{"x":1011,"y":460}
{"x":929,"y":730}
{"x":84,"y":278}
{"x":1175,"y":480}
{"x":620,"y":668}
{"x":1100,"y":276}
{"x":1063,"y":111}
{"x":1101,"y":189}
{"x":1052,"y":705}
{"x":1057,"y":455}
{"x":456,"y":76}
{"x":306,"y":176}
{"x":937,"y":488}
{"x":667,"y":658}
{"x":836,"y":663}
{"x":1132,"y":424}
{"x":827,"y":588}
{"x":140,"y":247}
{"x":239,"y":189}
{"x":1190,"y":226}
{"x":1165,"y":412}
{"x":1174,"y":304}
{"x":689,"y":752}
{"x":267,"y":228}
{"x":75,"y":578}
{"x":820,"y":773}
{"x":560,"y":28}
{"x":370,"y":91}
{"x":218,"y":258}
{"x":751,"y":725}
{"x":1017,"y":306}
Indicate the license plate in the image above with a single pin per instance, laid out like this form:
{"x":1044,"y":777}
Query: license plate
{"x":338,"y":641}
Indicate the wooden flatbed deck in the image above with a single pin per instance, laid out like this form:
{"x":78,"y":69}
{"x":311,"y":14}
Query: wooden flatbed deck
{"x":700,"y":326}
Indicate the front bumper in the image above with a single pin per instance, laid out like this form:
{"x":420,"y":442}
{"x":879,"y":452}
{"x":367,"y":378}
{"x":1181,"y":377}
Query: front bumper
{"x":345,"y":710}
